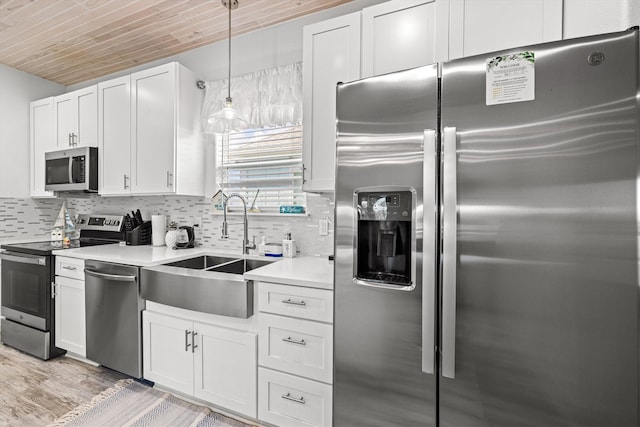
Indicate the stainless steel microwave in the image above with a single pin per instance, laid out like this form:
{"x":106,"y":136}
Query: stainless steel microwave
{"x":73,"y":169}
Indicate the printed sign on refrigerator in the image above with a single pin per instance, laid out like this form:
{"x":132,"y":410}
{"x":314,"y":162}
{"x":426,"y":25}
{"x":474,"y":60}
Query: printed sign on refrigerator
{"x":511,"y":78}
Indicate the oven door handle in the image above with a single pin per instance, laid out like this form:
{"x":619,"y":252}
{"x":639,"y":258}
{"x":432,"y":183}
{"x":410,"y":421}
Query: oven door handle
{"x":24,"y":259}
{"x":115,"y":277}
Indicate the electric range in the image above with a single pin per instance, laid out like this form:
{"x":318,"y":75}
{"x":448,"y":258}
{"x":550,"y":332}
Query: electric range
{"x":27,"y":274}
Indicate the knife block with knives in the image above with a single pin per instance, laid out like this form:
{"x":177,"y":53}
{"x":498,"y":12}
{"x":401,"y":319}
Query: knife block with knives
{"x":137,"y":230}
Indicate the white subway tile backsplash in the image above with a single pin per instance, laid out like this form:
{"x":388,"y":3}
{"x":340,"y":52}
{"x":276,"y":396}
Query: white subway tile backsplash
{"x":32,"y":219}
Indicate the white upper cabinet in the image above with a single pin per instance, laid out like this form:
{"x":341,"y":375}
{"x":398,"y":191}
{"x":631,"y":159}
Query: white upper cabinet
{"x":41,"y":139}
{"x":114,"y":136}
{"x":331,"y":54}
{"x":598,"y":16}
{"x":484,"y":26}
{"x":150,"y":137}
{"x":402,"y":34}
{"x":75,"y":116}
{"x":167,"y":150}
{"x":154,"y":135}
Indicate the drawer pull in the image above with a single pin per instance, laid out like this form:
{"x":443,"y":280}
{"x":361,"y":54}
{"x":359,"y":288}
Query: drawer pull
{"x":66,"y":267}
{"x":294,"y":399}
{"x":292,"y":341}
{"x":292,"y":302}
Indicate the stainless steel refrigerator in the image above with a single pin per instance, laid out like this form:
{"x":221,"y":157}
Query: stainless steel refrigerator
{"x":486,"y":240}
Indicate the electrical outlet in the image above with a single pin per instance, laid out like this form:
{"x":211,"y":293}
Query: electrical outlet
{"x":323,"y":226}
{"x":197,"y":221}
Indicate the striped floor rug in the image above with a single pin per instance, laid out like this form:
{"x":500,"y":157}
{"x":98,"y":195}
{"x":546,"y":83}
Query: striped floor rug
{"x":132,"y":404}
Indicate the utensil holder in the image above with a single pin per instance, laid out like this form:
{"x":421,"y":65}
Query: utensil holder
{"x":141,"y":235}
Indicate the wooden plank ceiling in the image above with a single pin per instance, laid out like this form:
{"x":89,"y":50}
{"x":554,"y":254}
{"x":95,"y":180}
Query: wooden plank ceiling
{"x":71,"y":41}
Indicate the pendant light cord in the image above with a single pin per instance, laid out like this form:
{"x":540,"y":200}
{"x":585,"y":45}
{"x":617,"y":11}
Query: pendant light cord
{"x":229,"y":85}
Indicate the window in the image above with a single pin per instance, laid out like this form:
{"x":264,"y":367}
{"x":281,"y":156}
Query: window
{"x":263,"y":162}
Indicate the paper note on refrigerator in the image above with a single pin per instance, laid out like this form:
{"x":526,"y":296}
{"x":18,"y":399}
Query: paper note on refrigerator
{"x":510,"y":78}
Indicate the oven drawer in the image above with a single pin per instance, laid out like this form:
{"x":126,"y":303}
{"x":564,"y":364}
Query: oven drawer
{"x":286,"y":400}
{"x":297,"y":346}
{"x":287,"y":300}
{"x":30,"y":340}
{"x":70,"y":267}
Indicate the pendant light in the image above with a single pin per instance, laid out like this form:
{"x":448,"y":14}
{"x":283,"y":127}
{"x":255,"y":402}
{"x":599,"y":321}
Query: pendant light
{"x":228,"y":118}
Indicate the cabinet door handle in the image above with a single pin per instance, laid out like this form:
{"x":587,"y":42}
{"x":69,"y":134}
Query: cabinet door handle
{"x":294,"y":302}
{"x":294,"y":399}
{"x":193,"y":342}
{"x":53,"y":290}
{"x":294,"y":341}
{"x":69,"y":143}
{"x":186,"y":339}
{"x":169,"y":179}
{"x":125,"y":181}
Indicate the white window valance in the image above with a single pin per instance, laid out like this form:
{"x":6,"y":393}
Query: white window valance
{"x":270,"y":97}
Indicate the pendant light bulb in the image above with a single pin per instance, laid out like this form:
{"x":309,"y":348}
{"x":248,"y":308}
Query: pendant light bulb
{"x":228,"y":118}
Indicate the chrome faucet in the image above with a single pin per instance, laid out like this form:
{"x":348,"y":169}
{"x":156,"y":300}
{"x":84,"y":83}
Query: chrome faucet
{"x":225,"y":234}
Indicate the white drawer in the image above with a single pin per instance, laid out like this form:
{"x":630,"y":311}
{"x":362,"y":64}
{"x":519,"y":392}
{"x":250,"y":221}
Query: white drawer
{"x":305,"y":303}
{"x":286,"y":400}
{"x":297,"y":346}
{"x":70,"y":267}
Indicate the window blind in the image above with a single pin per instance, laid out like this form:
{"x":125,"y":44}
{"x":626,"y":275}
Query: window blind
{"x":262,"y":162}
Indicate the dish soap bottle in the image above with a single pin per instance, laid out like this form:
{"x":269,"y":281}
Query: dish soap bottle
{"x":262,"y":247}
{"x":288,"y":246}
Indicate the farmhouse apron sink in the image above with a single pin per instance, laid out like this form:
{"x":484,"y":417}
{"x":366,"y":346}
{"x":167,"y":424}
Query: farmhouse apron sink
{"x":209,"y":284}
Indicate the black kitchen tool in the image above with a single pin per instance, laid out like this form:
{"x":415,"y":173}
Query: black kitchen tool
{"x":128,"y":226}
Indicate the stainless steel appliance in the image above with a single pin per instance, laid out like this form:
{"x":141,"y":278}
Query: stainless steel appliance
{"x":186,"y":238}
{"x":513,"y":176}
{"x":114,"y":316}
{"x":27,"y":278}
{"x":27,"y":308}
{"x":72,"y":169}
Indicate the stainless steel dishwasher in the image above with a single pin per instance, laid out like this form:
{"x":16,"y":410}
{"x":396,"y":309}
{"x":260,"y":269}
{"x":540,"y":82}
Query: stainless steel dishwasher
{"x":114,"y":316}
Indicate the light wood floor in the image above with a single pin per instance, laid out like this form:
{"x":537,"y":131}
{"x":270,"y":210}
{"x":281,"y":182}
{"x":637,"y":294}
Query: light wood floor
{"x":34,"y":392}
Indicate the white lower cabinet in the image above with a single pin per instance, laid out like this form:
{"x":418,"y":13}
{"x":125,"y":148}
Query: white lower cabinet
{"x":68,"y":294}
{"x":168,"y":359}
{"x":297,"y":346}
{"x":212,"y":363}
{"x":288,"y":400}
{"x":295,"y":355}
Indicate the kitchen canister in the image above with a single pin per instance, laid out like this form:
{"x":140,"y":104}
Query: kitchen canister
{"x":158,"y":229}
{"x":172,"y":235}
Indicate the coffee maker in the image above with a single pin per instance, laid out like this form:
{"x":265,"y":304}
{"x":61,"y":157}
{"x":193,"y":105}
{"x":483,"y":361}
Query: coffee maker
{"x":384,"y":237}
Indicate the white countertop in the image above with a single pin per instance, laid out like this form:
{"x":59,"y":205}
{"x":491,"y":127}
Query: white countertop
{"x":142,"y":256}
{"x":310,"y":271}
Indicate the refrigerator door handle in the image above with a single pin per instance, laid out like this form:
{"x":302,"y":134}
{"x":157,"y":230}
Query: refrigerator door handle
{"x":449,"y":252}
{"x":429,"y":182}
